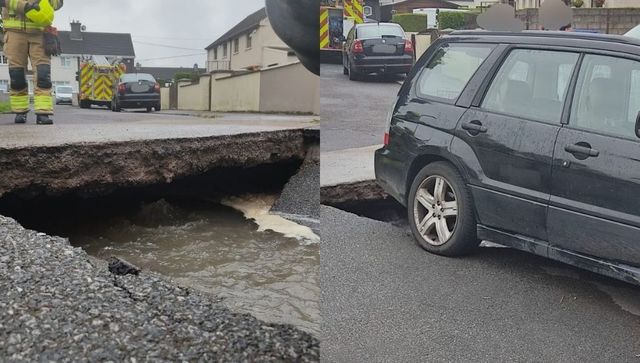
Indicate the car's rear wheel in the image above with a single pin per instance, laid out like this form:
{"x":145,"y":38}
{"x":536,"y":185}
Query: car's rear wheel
{"x":353,"y":74}
{"x":149,"y":108}
{"x":158,"y":107}
{"x":115,"y":107}
{"x":441,"y":212}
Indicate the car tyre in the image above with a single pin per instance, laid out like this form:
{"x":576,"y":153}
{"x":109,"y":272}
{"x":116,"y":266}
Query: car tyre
{"x":149,"y":108}
{"x":434,"y":227}
{"x":353,"y":75}
{"x":158,"y":108}
{"x":115,"y":107}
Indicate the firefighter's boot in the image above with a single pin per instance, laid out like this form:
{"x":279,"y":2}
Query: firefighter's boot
{"x":21,"y":118}
{"x":44,"y":120}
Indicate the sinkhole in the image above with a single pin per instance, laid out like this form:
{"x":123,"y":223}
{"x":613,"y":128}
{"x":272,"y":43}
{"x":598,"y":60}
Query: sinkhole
{"x":214,"y":232}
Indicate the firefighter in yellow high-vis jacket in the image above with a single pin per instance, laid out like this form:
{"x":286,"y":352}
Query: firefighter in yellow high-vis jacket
{"x":25,"y":23}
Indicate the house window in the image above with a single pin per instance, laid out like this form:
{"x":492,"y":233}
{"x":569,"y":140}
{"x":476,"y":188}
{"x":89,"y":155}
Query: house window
{"x":224,"y":50}
{"x":215,"y":53}
{"x":4,"y":84}
{"x":236,"y":45}
{"x":249,"y":40}
{"x":65,"y":61}
{"x":3,"y":59}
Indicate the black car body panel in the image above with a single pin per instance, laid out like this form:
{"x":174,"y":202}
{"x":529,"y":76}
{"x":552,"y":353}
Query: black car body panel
{"x":529,"y":191}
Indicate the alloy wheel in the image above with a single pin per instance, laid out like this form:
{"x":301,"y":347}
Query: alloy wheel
{"x":435,"y":210}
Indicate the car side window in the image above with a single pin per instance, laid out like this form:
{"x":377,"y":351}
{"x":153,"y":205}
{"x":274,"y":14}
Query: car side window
{"x":450,"y":69}
{"x":607,"y":96}
{"x":532,"y":84}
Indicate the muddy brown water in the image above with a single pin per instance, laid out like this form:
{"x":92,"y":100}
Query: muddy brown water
{"x":214,"y":248}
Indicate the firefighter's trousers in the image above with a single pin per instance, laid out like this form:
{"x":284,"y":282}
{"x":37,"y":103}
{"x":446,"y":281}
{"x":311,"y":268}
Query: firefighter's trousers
{"x":19,"y":48}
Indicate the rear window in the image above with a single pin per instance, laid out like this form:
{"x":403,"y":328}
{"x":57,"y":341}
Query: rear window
{"x":135,"y":77}
{"x":64,"y":90}
{"x":450,"y":69}
{"x":380,"y":31}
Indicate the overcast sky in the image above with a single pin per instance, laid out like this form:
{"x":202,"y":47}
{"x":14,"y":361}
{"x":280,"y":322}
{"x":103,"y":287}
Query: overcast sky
{"x":190,"y":24}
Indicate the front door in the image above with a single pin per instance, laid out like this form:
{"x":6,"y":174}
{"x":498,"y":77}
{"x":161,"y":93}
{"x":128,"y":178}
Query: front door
{"x":511,"y":134}
{"x":595,"y":203}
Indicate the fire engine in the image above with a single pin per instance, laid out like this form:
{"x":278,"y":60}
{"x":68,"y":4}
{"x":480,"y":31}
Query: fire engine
{"x":337,"y":17}
{"x":96,"y":80}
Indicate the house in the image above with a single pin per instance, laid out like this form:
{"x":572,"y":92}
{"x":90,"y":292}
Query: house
{"x":532,"y":4}
{"x":168,"y":74}
{"x":407,"y":6}
{"x":251,"y":44}
{"x":76,"y":45}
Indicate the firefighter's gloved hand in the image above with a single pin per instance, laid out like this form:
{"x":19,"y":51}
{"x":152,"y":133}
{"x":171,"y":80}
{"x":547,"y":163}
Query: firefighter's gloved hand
{"x":51,"y":42}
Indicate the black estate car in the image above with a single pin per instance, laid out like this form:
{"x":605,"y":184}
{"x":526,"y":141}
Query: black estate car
{"x":376,"y":48}
{"x":530,"y":140}
{"x":136,"y":90}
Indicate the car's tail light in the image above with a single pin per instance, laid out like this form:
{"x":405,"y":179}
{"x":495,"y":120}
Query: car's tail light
{"x":408,"y":47}
{"x":387,"y":133}
{"x":357,"y":47}
{"x":156,"y":88}
{"x":122,"y":88}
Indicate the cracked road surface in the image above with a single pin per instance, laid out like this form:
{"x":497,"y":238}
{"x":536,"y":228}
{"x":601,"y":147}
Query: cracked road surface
{"x":385,"y":299}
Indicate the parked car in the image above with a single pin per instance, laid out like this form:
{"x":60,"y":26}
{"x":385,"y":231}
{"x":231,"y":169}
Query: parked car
{"x":376,"y":48}
{"x":136,"y":90}
{"x":64,"y":94}
{"x":634,"y":32}
{"x":530,"y":140}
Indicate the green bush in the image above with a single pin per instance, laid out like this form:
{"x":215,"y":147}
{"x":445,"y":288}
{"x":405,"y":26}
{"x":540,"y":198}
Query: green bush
{"x":451,"y":20}
{"x":411,"y":22}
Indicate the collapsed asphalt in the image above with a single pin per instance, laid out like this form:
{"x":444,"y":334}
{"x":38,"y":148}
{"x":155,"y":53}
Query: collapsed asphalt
{"x":300,"y":198}
{"x":59,"y":304}
{"x":385,"y":299}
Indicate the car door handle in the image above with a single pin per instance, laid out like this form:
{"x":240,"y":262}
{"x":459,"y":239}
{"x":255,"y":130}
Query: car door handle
{"x":582,"y":149}
{"x":474,"y":127}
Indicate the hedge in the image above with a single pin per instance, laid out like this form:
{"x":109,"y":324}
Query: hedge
{"x":451,"y":20}
{"x":411,"y":22}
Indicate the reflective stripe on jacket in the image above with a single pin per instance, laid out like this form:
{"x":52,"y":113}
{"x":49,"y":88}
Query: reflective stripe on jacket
{"x":14,"y":19}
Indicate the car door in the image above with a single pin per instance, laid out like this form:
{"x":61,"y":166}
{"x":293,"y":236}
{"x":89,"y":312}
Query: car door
{"x":508,"y":135}
{"x":595,"y":203}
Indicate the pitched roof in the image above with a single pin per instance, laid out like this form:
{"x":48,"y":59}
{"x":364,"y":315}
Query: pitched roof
{"x":106,"y":44}
{"x":167,"y":73}
{"x":248,"y":24}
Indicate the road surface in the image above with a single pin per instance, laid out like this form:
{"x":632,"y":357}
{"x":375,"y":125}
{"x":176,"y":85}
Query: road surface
{"x":385,"y":299}
{"x":354,"y":113}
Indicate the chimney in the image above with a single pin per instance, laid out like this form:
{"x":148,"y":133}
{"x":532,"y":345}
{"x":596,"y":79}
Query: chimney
{"x":76,"y":30}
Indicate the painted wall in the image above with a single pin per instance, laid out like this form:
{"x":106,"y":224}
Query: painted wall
{"x":164,"y":98}
{"x":289,"y":88}
{"x":236,"y":93}
{"x":194,"y":97}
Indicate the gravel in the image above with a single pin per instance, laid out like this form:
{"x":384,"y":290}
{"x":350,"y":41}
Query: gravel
{"x":59,"y":304}
{"x":300,"y":198}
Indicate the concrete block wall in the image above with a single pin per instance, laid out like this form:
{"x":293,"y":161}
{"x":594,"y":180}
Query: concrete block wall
{"x":289,"y":88}
{"x":603,"y":20}
{"x":194,"y":96}
{"x":239,"y":93}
